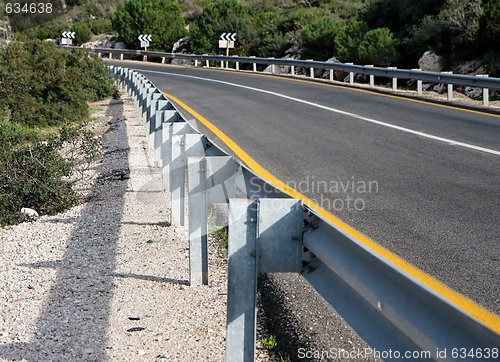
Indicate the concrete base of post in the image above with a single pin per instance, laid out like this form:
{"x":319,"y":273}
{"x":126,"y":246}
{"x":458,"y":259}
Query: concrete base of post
{"x":371,"y":77}
{"x":449,"y":89}
{"x":419,"y":83}
{"x":237,"y":65}
{"x":144,"y":58}
{"x":121,"y":56}
{"x":486,"y":92}
{"x":394,"y":81}
{"x":331,"y":75}
{"x":110,"y":56}
{"x":351,"y":75}
{"x":292,"y":70}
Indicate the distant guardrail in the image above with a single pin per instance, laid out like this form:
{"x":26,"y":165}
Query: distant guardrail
{"x":391,"y":308}
{"x":481,"y":81}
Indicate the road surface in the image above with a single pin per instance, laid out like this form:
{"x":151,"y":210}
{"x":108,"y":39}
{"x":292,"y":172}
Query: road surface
{"x":422,"y":180}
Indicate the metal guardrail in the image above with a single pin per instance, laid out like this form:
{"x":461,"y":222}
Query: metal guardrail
{"x":271,"y":232}
{"x":481,"y":81}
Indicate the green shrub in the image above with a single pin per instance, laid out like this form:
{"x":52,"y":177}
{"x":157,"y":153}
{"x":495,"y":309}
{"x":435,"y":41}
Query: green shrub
{"x":221,"y":16}
{"x":318,"y":38}
{"x":378,"y":47}
{"x":43,"y":85}
{"x":160,"y":18}
{"x":82,"y":33}
{"x":101,"y":26}
{"x":273,"y":35}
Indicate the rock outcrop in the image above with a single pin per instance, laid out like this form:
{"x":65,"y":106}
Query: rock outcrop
{"x":430,"y":62}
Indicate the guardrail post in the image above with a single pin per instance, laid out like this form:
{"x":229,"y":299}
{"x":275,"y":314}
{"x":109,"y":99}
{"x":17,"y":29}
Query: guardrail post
{"x":292,"y":70}
{"x":265,"y":236}
{"x":372,"y":78}
{"x":158,"y":112}
{"x":121,"y":56}
{"x":273,"y":66}
{"x":254,"y":65}
{"x":222,"y":64}
{"x":98,"y":54}
{"x":183,"y":146}
{"x":486,"y":92}
{"x":351,"y":75}
{"x":242,"y":281}
{"x":237,"y":65}
{"x":110,"y":55}
{"x":394,"y":80}
{"x":449,"y":89}
{"x":210,"y":180}
{"x":198,"y":225}
{"x":419,"y":82}
{"x":172,"y":126}
{"x":331,"y":75}
{"x":311,"y":69}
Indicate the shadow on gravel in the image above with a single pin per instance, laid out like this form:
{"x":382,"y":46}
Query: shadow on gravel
{"x":151,"y":278}
{"x":73,"y":323}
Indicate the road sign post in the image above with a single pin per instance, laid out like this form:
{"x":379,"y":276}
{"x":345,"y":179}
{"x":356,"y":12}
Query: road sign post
{"x":227,"y":41}
{"x":145,"y":39}
{"x":67,"y":37}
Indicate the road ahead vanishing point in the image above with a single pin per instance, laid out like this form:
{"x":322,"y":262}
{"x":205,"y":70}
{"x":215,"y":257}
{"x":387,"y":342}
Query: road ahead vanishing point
{"x":421,"y":179}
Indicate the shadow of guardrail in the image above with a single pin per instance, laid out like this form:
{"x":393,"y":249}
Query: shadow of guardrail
{"x":73,"y":323}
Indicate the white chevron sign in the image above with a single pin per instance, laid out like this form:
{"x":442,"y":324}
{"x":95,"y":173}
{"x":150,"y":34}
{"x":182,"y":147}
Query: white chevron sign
{"x":145,"y":37}
{"x":68,"y":34}
{"x":228,"y":36}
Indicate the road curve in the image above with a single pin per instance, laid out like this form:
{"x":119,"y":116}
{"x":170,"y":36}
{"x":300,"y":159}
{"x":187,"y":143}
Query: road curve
{"x":428,"y":176}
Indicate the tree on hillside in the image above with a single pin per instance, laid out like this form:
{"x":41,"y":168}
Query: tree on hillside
{"x":318,"y":38}
{"x":491,"y":20}
{"x":82,"y":33}
{"x":160,"y":18}
{"x":221,"y":16}
{"x":273,"y":36}
{"x":378,"y":47}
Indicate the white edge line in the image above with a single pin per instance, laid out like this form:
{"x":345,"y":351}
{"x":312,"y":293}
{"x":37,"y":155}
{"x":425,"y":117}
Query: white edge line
{"x":349,"y":114}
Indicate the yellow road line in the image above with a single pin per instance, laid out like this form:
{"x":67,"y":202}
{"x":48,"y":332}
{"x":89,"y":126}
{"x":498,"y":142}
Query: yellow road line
{"x":488,"y":318}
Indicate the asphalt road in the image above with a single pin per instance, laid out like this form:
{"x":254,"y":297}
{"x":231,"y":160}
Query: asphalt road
{"x":433,"y":202}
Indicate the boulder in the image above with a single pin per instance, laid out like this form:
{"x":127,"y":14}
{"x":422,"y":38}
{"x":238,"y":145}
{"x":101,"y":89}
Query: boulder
{"x":470,"y":67}
{"x":473,"y":92}
{"x":439,"y":88}
{"x":282,"y":69}
{"x":180,"y":46}
{"x":181,"y":61}
{"x":337,"y":74}
{"x":30,"y":213}
{"x":430,"y":62}
{"x":105,"y":41}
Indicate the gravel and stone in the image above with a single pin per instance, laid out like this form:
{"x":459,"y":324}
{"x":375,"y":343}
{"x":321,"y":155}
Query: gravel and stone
{"x":108,"y":279}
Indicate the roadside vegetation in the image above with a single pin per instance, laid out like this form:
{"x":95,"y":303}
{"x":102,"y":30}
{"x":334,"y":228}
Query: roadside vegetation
{"x":380,"y":32}
{"x":43,"y":110}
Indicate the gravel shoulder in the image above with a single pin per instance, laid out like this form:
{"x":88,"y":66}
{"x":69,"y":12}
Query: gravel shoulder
{"x":108,"y":279}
